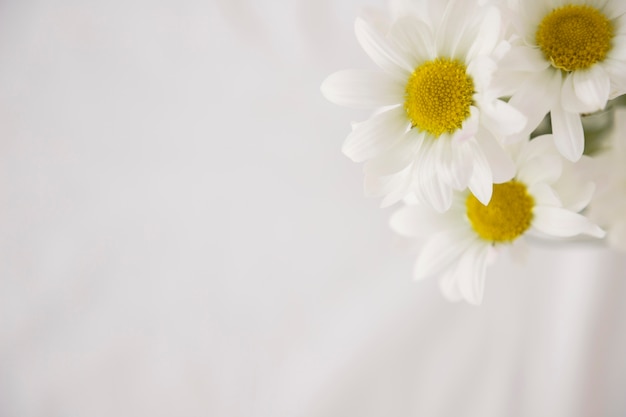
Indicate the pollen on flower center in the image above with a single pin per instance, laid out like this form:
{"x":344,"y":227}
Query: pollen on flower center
{"x":439,"y":95}
{"x":506,"y":217}
{"x":574,"y":37}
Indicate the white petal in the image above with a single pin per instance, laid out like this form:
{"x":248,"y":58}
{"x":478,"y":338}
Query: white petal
{"x":457,"y":165}
{"x":415,"y":37}
{"x":575,"y":188}
{"x":592,"y":87}
{"x":451,"y":33}
{"x":428,"y":184}
{"x":500,"y":162}
{"x":470,"y":272}
{"x":377,"y":186}
{"x":396,"y":158}
{"x":560,"y":222}
{"x":617,"y":71}
{"x":568,"y":133}
{"x":525,"y":59}
{"x":437,"y":193}
{"x":536,"y":97}
{"x":441,"y":251}
{"x":481,"y":69}
{"x":481,"y":182}
{"x":362,"y":89}
{"x":618,"y":49}
{"x":502,"y":118}
{"x":449,"y":286}
{"x":569,"y":98}
{"x":375,"y":135}
{"x":536,"y":148}
{"x":544,"y":195}
{"x":421,"y":221}
{"x":542,"y":169}
{"x":469,"y":127}
{"x":613,"y":9}
{"x":488,"y":35}
{"x":383,"y":54}
{"x":393,"y":198}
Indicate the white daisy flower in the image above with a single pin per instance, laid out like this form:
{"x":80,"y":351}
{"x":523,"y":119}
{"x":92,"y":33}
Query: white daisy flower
{"x":569,"y":58}
{"x":460,"y":243}
{"x":437,"y":123}
{"x":608,"y":206}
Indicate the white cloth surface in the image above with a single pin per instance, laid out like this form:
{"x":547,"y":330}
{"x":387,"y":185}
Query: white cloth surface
{"x":181,"y":235}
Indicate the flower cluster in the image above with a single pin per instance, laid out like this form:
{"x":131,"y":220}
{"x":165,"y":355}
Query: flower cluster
{"x":491,"y":121}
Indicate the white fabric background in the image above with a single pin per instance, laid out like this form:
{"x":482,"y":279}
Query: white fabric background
{"x":181,"y":235}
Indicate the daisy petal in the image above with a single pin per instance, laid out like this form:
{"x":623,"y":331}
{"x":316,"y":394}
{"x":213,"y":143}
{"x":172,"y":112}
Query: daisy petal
{"x":618,"y":50}
{"x":456,"y":169}
{"x":469,"y":128}
{"x":525,"y":59}
{"x":415,"y":38}
{"x":536,"y":148}
{"x":502,"y":118}
{"x":482,"y":69}
{"x":592,"y":87}
{"x":542,"y":169}
{"x":584,"y":195}
{"x":377,"y":186}
{"x":536,"y":97}
{"x":481,"y":182}
{"x":470,"y":272}
{"x":617,"y":72}
{"x":500,"y":162}
{"x":568,"y":133}
{"x":569,"y":98}
{"x":362,"y":89}
{"x":488,"y":35}
{"x":450,"y":287}
{"x":396,"y":158}
{"x":435,"y":190}
{"x":441,"y":251}
{"x":437,"y":193}
{"x":544,"y":195}
{"x":375,"y":135}
{"x":420,"y":220}
{"x":614,"y":9}
{"x":454,"y":34}
{"x":380,"y":51}
{"x":560,"y":222}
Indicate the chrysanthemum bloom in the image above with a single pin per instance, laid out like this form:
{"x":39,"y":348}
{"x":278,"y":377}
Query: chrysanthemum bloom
{"x":459,"y":244}
{"x":437,"y":123}
{"x":608,"y":206}
{"x":570,"y":58}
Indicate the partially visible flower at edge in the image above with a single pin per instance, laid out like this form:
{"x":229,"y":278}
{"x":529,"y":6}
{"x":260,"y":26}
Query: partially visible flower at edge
{"x":437,"y":124}
{"x":568,"y":58}
{"x":460,"y":243}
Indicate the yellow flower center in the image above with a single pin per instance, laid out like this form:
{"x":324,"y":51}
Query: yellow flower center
{"x":439,"y":95}
{"x":506,"y":217}
{"x":574,"y":37}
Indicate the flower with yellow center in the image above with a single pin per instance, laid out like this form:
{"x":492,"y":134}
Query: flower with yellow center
{"x":506,"y":217}
{"x":439,"y":96}
{"x":459,"y":244}
{"x":569,"y":59}
{"x":438,"y":125}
